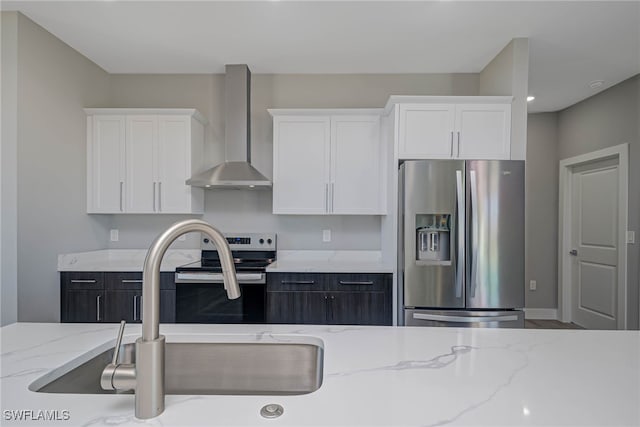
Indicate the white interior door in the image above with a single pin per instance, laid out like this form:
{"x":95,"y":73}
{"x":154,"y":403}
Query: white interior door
{"x":594,"y":248}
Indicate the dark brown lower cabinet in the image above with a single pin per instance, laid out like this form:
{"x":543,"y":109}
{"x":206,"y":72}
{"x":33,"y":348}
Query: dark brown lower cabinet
{"x":111,"y":297}
{"x":333,"y":299}
{"x":82,"y":305}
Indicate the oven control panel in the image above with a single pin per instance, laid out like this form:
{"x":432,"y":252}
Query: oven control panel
{"x":244,"y":241}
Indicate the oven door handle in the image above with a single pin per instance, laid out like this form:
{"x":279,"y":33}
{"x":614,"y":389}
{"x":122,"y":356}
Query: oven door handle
{"x":188,"y":277}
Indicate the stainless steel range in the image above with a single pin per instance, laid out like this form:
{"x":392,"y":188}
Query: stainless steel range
{"x":200,"y":294}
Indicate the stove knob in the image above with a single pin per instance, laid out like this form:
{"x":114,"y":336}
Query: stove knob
{"x":261,"y":241}
{"x":206,"y":241}
{"x":269,"y":241}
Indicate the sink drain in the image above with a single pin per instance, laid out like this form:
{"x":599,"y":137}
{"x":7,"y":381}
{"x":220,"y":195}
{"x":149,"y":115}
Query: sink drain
{"x":272,"y":410}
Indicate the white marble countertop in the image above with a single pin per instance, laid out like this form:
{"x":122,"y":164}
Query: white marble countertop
{"x":330,"y":262}
{"x":123,"y":260}
{"x":373,"y":376}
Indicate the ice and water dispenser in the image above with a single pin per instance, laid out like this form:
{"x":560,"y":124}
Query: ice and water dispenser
{"x":433,"y":233}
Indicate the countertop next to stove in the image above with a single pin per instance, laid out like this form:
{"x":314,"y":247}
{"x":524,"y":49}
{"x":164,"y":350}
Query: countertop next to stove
{"x":306,"y":261}
{"x":123,"y":260}
{"x":290,"y":261}
{"x":373,"y":376}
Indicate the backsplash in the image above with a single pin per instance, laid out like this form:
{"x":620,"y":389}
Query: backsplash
{"x":250,"y":211}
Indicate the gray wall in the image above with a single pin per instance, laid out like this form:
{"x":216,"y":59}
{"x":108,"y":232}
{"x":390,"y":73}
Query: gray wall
{"x":610,"y":118}
{"x":251,"y":210}
{"x":8,"y":171}
{"x":508,"y":74}
{"x":604,"y":120}
{"x":541,"y":207}
{"x":54,"y":83}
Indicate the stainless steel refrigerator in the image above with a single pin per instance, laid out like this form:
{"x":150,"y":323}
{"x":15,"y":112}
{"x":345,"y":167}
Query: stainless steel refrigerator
{"x":461,"y":243}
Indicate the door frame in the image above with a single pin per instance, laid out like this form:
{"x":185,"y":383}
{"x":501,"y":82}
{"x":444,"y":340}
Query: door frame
{"x":621,"y":152}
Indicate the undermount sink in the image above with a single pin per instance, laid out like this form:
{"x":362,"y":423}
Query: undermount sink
{"x":277,"y":367}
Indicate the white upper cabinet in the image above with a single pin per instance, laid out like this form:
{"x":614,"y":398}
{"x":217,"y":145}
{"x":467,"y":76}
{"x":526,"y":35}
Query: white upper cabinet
{"x":454,"y":127}
{"x":105,"y":163}
{"x":301,"y":164}
{"x":483,"y":131}
{"x":427,"y":131}
{"x":139,"y":160}
{"x":327,"y":162}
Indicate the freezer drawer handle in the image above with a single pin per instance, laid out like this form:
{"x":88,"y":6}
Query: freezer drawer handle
{"x":465,"y":319}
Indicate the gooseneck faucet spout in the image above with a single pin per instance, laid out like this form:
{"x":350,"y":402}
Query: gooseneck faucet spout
{"x":147,"y":375}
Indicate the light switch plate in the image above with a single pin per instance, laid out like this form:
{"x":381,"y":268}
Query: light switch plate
{"x":533,"y":285}
{"x":113,"y":235}
{"x":326,"y":235}
{"x":631,"y":237}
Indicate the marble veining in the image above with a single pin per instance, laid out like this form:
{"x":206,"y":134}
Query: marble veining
{"x":123,"y":260}
{"x":373,"y":376}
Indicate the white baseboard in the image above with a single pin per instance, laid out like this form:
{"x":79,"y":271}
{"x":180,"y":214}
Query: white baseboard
{"x":541,"y":313}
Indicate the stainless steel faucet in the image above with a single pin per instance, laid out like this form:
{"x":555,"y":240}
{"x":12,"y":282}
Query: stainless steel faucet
{"x":146,"y":376}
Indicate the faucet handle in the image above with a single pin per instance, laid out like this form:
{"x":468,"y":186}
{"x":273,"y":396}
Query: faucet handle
{"x":116,"y":350}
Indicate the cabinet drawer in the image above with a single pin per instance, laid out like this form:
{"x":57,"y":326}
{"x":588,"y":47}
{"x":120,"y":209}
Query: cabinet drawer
{"x":82,"y":280}
{"x":357,"y":282}
{"x":295,"y":282}
{"x":133,"y":281}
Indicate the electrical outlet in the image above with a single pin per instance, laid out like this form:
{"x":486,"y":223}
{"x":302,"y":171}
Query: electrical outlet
{"x":182,"y":238}
{"x":631,"y":237}
{"x":113,"y":235}
{"x":326,"y":235}
{"x":533,"y":285}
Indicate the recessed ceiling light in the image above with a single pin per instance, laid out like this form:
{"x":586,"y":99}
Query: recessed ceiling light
{"x":252,"y":186}
{"x":207,"y":186}
{"x":596,"y":84}
{"x":530,"y":98}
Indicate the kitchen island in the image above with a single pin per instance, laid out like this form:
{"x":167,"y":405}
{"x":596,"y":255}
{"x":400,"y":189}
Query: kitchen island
{"x":372,"y":376}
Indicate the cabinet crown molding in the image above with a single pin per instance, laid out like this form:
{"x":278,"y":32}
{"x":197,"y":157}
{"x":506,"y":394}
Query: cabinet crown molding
{"x":325,"y":111}
{"x":148,"y":111}
{"x":412,"y":99}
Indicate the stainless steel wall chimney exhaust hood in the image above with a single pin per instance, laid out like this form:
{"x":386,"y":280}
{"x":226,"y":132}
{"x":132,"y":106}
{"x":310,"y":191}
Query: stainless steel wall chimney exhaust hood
{"x":236,"y":171}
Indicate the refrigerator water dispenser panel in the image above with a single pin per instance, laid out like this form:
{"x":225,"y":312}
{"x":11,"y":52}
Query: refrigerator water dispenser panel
{"x":433,"y":239}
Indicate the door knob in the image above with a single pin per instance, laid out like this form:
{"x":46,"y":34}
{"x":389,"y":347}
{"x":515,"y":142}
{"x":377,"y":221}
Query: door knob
{"x":573,"y":252}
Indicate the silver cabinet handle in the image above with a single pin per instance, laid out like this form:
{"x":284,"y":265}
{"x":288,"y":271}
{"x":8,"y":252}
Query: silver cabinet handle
{"x":121,"y":195}
{"x":332,"y":196}
{"x":474,"y":231}
{"x":131,"y":281}
{"x":326,"y":197}
{"x":159,"y":196}
{"x":460,"y":233}
{"x":298,"y":282}
{"x":465,"y":319}
{"x":458,"y":143}
{"x":98,"y":307}
{"x":154,"y":196}
{"x":135,"y":307}
{"x":346,"y":282}
{"x":82,"y":281}
{"x":451,"y":154}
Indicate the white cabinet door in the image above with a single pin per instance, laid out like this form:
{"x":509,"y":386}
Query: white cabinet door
{"x":174,"y":164}
{"x":483,"y":131}
{"x":106,"y":153}
{"x":141,"y":186}
{"x":301,"y":164}
{"x":426,"y":131}
{"x":356,"y":169}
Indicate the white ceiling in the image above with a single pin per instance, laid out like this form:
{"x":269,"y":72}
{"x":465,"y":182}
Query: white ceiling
{"x":571,"y":43}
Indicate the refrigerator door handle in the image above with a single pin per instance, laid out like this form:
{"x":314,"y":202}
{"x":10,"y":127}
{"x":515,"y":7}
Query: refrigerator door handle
{"x":474,"y":233}
{"x":465,"y":319}
{"x":460,"y":234}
